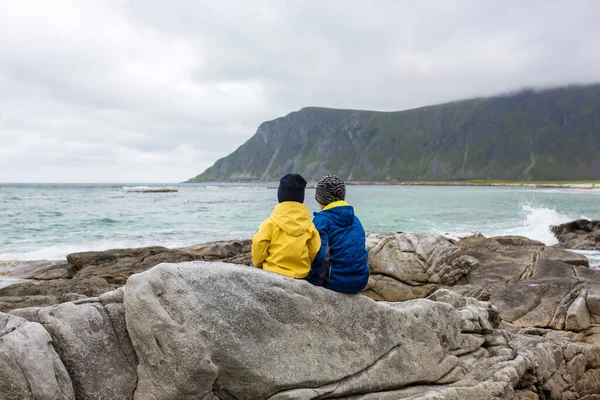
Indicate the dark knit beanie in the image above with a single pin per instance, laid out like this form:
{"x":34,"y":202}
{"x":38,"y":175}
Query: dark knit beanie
{"x":291,"y":188}
{"x":329,"y":189}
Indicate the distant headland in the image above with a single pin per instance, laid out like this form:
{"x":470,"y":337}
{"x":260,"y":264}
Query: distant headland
{"x":528,"y":136}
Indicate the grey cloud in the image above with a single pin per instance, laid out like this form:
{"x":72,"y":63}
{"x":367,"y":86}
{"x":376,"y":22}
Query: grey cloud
{"x":156,"y":90}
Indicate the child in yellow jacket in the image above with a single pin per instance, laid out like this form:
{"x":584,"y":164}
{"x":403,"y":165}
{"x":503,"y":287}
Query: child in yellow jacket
{"x":287,"y":242}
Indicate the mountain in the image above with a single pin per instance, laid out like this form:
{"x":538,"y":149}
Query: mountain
{"x":530,"y":135}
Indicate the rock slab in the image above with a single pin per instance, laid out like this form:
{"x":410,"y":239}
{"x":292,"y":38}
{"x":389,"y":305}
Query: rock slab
{"x":203,"y":330}
{"x":407,"y":266}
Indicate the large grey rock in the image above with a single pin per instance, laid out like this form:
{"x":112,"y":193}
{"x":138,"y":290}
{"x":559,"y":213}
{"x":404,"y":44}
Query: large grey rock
{"x":515,"y":366}
{"x":218,"y":331}
{"x":221,"y":331}
{"x":533,"y":285}
{"x":29,"y":366}
{"x":413,"y":265}
{"x":92,"y":341}
{"x":213,"y":329}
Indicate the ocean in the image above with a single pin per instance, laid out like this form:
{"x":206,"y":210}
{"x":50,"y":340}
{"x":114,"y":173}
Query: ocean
{"x":49,"y":221}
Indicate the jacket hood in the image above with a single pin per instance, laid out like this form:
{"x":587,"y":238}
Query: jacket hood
{"x":292,"y":217}
{"x":340,"y":215}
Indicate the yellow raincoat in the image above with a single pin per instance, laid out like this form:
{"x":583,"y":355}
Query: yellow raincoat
{"x":287,"y":242}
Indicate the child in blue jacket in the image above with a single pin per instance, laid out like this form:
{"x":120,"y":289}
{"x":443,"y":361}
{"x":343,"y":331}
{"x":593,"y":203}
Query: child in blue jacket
{"x":341,"y":263}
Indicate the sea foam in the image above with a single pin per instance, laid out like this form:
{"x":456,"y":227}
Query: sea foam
{"x":536,"y":221}
{"x":532,"y":221}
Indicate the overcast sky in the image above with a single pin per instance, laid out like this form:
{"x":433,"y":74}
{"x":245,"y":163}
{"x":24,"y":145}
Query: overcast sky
{"x":157,"y":90}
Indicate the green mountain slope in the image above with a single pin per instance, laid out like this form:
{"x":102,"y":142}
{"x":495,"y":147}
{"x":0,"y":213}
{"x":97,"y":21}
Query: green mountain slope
{"x":531,"y":135}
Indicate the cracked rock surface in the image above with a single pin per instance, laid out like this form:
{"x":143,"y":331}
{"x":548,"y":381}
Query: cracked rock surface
{"x":92,"y":342}
{"x":533,"y":285}
{"x":217,"y":331}
{"x":503,"y":318}
{"x":30,"y":368}
{"x":408,"y":266}
{"x":245,"y":333}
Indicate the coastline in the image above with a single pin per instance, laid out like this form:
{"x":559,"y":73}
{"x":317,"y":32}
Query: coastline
{"x":36,"y":271}
{"x":577,"y":185}
{"x":566,"y":187}
{"x":535,"y":185}
{"x":66,"y":220}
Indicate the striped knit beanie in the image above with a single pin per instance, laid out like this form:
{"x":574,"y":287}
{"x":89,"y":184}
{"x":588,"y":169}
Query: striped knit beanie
{"x":329,"y":189}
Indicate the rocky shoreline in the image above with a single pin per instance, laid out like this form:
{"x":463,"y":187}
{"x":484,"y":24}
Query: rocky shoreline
{"x":481,"y":318}
{"x":580,"y":234}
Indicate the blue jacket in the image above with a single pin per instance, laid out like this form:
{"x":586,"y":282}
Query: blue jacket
{"x":341,"y":263}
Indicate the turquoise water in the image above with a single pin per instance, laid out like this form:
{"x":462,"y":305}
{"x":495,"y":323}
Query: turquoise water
{"x":50,"y":221}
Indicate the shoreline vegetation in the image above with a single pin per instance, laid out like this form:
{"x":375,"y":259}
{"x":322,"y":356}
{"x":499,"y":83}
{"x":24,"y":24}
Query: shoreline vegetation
{"x":483,"y":182}
{"x":477,"y":182}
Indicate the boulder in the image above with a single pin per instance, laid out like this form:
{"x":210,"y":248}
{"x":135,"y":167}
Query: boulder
{"x":533,"y":285}
{"x":30,"y":368}
{"x":220,"y":331}
{"x":413,"y":265}
{"x":202,"y":330}
{"x":92,"y":341}
{"x":580,"y":234}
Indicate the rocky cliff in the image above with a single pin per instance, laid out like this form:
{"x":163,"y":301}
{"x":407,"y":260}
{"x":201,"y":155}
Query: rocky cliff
{"x":530,"y":135}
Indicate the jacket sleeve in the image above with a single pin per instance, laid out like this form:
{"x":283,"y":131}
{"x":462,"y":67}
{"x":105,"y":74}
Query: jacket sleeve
{"x":260,"y":244}
{"x":319,"y":272}
{"x":314,"y":243}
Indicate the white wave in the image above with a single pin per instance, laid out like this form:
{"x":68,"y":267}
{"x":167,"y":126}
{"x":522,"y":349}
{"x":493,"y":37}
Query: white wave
{"x":60,"y":251}
{"x":136,"y":188}
{"x":211,"y":187}
{"x":56,"y":252}
{"x":536,"y":222}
